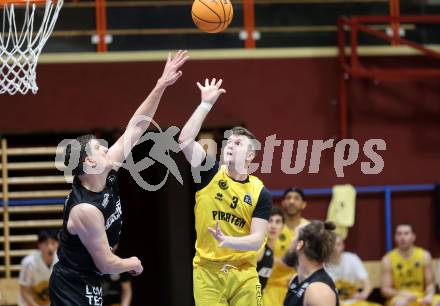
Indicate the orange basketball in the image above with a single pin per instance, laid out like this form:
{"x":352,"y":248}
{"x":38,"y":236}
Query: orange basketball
{"x":212,"y":16}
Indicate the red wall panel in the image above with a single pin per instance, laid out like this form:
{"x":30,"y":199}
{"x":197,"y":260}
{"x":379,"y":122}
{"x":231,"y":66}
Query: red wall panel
{"x":292,"y":98}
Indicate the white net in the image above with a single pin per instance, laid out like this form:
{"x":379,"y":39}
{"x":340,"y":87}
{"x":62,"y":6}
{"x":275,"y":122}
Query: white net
{"x":25,"y":32}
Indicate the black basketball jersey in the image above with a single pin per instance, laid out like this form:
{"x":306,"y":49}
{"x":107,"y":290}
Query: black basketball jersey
{"x":71,"y":252}
{"x":295,"y":294}
{"x":264,"y":267}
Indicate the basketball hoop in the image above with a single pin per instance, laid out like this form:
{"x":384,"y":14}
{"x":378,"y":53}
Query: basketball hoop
{"x":25,"y":30}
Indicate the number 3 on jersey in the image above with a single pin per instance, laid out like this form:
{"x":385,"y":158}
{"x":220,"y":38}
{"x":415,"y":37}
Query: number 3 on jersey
{"x":234,"y":202}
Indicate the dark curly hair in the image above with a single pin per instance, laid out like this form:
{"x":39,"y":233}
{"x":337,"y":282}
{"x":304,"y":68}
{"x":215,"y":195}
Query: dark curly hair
{"x":319,"y":240}
{"x":75,"y":150}
{"x":276,"y":211}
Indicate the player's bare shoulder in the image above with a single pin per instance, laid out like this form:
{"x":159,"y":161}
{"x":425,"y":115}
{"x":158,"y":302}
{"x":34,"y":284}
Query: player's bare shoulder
{"x":319,"y":294}
{"x":82,"y":214}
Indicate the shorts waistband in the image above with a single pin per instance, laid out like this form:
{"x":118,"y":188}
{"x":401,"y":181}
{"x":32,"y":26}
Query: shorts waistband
{"x":224,"y":265}
{"x":66,"y":269}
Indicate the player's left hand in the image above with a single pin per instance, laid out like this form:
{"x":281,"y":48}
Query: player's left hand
{"x":218,"y":234}
{"x":171,"y":72}
{"x":211,"y":91}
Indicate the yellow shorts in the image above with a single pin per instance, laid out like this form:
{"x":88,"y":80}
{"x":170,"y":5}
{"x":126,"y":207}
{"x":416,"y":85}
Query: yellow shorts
{"x":228,"y":285}
{"x":274,"y":295}
{"x":435,"y":300}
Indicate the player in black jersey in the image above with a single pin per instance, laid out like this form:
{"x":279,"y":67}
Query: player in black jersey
{"x":312,"y":286}
{"x":92,"y":218}
{"x":266,"y":255}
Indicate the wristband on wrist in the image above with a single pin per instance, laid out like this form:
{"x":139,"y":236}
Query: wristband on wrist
{"x":206,"y":106}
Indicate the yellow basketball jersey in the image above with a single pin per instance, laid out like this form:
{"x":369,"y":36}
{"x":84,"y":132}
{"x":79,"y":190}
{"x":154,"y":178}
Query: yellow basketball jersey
{"x":231,"y":203}
{"x":281,"y":274}
{"x":408,"y":274}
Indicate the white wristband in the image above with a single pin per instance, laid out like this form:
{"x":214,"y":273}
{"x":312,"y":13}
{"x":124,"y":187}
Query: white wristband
{"x":206,"y":106}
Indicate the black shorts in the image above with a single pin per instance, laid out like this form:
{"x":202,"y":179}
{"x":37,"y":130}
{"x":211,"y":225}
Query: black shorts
{"x":68,"y":287}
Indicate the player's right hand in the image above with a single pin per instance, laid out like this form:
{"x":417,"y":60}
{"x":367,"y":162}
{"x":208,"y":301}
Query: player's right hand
{"x":171,"y":72}
{"x":211,"y":91}
{"x":136,"y":266}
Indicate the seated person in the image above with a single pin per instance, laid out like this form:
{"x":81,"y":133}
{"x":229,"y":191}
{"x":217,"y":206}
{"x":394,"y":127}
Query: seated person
{"x":350,"y":277}
{"x":437,"y":274}
{"x":293,"y":204}
{"x":407,"y":277}
{"x":266,"y":257}
{"x":36,"y":269}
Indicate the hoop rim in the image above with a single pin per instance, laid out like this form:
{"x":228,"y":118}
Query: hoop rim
{"x":25,"y":2}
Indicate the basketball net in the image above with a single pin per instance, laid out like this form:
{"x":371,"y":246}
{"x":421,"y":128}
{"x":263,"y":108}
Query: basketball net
{"x":21,"y":44}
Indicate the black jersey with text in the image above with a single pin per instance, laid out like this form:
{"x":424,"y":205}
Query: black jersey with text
{"x":295,"y":294}
{"x":72,"y":253}
{"x":264,"y":266}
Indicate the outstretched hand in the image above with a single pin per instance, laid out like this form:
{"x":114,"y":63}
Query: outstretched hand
{"x":171,"y":72}
{"x":218,"y":234}
{"x":211,"y":91}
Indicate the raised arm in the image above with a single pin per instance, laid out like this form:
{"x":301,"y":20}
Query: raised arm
{"x":251,"y":242}
{"x":87,"y":222}
{"x":193,"y":151}
{"x":140,"y":121}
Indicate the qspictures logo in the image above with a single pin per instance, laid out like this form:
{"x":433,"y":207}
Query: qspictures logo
{"x":346,"y":153}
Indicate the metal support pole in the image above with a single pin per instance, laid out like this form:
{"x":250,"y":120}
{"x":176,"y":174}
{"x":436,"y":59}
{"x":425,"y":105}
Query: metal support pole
{"x":388,"y":220}
{"x":343,"y":106}
{"x":101,"y":24}
{"x":249,"y":23}
{"x":395,"y":24}
{"x":5,"y":189}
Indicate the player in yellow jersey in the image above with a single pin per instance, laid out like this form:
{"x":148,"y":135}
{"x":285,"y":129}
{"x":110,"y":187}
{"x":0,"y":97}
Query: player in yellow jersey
{"x":349,"y":274}
{"x":231,"y":213}
{"x":293,"y":205}
{"x":407,"y":276}
{"x":265,"y":255}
